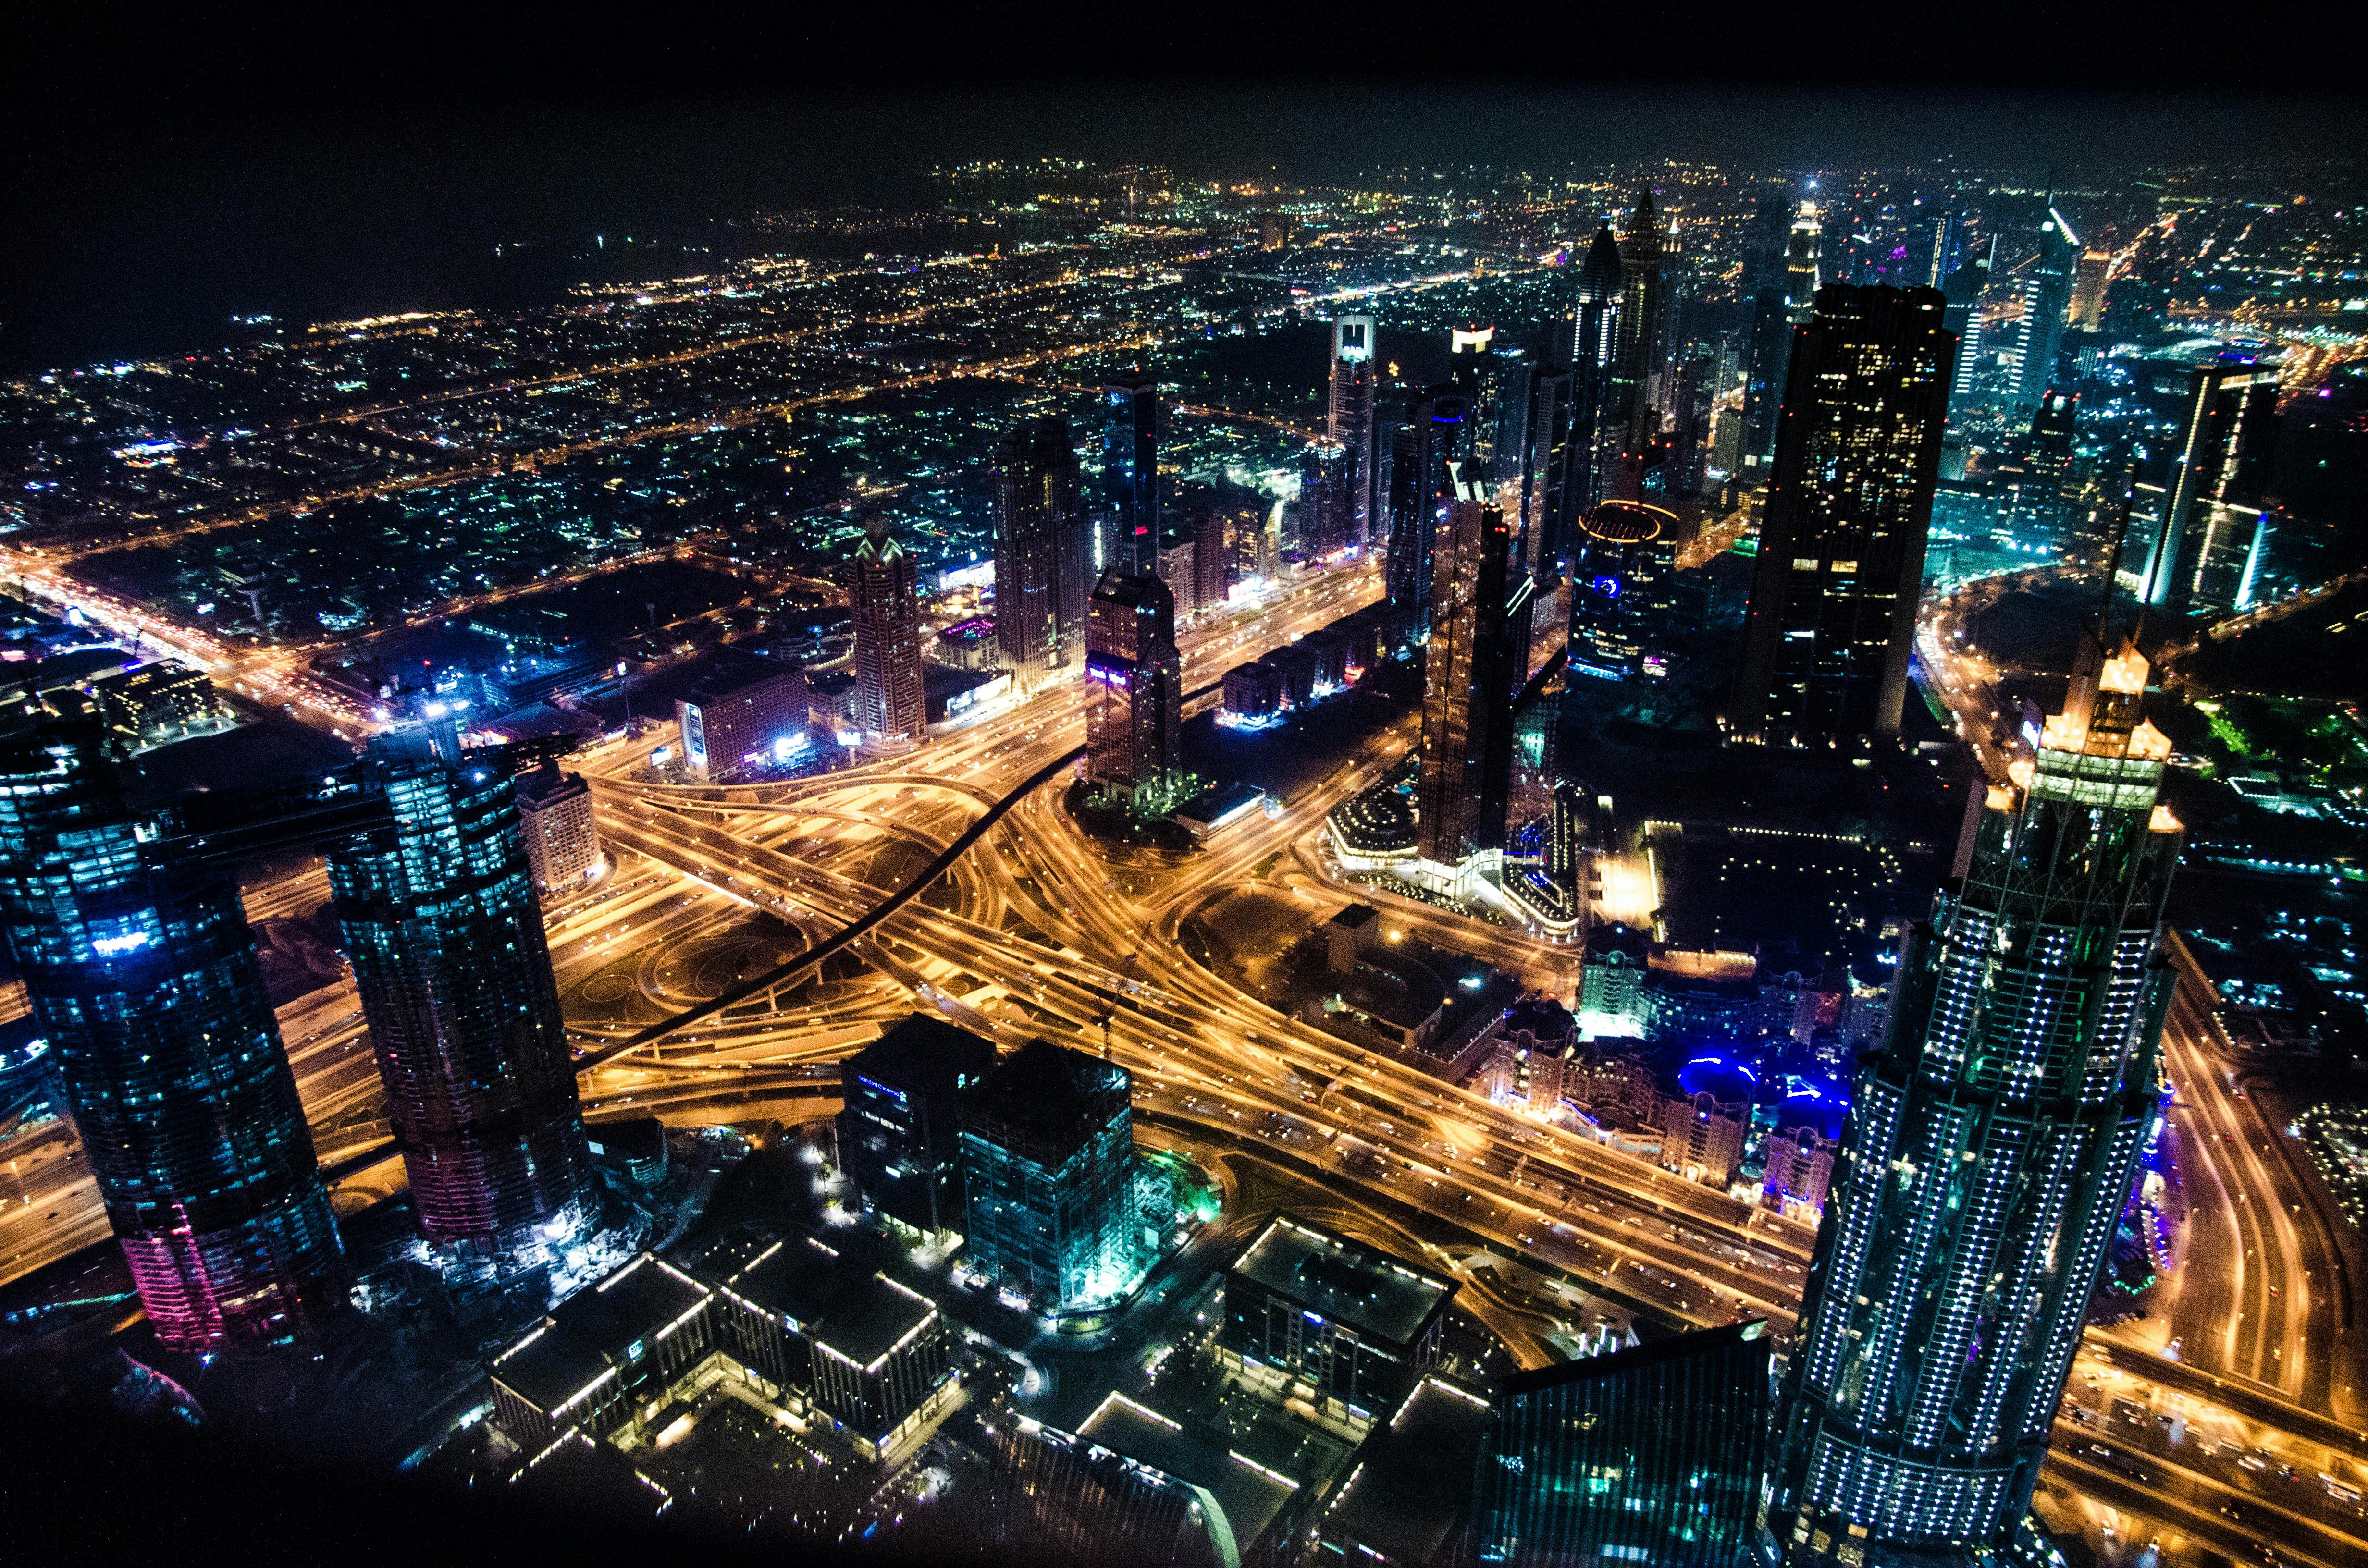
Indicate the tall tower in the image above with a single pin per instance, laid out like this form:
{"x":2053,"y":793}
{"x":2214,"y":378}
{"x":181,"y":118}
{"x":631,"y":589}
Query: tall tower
{"x":1134,"y":714}
{"x":1131,"y":472}
{"x":1467,"y":705}
{"x":1436,"y":433}
{"x":2212,"y":424}
{"x":1841,"y":540}
{"x":884,"y":599}
{"x":1042,"y":553}
{"x":142,"y":973}
{"x":1595,"y":433}
{"x":1990,"y":1147}
{"x":1349,"y":422}
{"x":1801,"y":263}
{"x":2046,"y":297}
{"x":440,"y":918}
{"x":1628,"y":404}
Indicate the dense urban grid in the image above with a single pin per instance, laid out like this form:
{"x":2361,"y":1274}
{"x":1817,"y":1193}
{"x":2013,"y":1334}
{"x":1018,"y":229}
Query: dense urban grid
{"x":1652,"y":864}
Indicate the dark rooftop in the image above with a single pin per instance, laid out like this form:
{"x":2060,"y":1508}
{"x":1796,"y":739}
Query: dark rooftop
{"x":1045,"y":1101}
{"x":593,"y":1329}
{"x":1414,"y":1481}
{"x":1347,"y":1281}
{"x":922,"y":1055}
{"x":1634,"y":1358}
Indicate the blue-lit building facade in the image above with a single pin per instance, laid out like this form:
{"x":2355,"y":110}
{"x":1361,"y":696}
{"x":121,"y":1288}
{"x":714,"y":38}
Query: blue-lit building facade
{"x":440,"y":920}
{"x":1990,"y":1148}
{"x":1651,"y":1454}
{"x":1048,"y":1173}
{"x":143,"y":977}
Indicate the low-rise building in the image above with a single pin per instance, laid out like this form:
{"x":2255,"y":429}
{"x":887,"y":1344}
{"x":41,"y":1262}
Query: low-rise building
{"x":733,"y":726}
{"x":1703,"y":1138}
{"x":1313,"y":1316}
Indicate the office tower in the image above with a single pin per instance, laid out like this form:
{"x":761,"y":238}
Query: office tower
{"x":1763,"y":377}
{"x":1062,"y":1501}
{"x":1619,"y":582}
{"x":1962,"y":320}
{"x":899,"y":1136}
{"x":2039,"y":482}
{"x":1632,"y":418}
{"x":1351,"y":422}
{"x":1650,"y":1454}
{"x":439,"y":918}
{"x":2046,"y":295}
{"x":1175,"y":568}
{"x":884,"y":601}
{"x":1545,"y":499}
{"x":1131,"y":472}
{"x":1213,"y":561}
{"x":732,"y":724}
{"x":1435,"y":434}
{"x":1134,"y":748}
{"x":1841,"y":538}
{"x":2321,"y":469}
{"x":1048,"y":1165}
{"x":1042,"y":553}
{"x":1802,"y":278}
{"x":563,"y":842}
{"x":2196,"y":521}
{"x":1990,"y":1147}
{"x":1948,"y":248}
{"x":1595,"y":433}
{"x":2089,"y":280}
{"x":1327,"y":507}
{"x":1349,"y":1322}
{"x":141,"y":974}
{"x":1468,"y":731}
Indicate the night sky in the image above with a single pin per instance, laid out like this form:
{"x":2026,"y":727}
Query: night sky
{"x":172,"y":167}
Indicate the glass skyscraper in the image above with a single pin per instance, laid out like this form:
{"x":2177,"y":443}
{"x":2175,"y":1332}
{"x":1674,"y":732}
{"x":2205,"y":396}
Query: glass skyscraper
{"x":1990,"y":1148}
{"x":1134,"y":746}
{"x":1470,"y":676}
{"x":449,"y":953}
{"x":1043,"y":555}
{"x":883,"y":587}
{"x":142,"y":973}
{"x":1131,"y":472}
{"x":1048,"y":1175}
{"x":1647,"y":1455}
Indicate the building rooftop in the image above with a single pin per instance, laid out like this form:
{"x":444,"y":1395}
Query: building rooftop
{"x":922,"y":1055}
{"x":871,"y":1316}
{"x":1634,"y":1358}
{"x":1413,"y":1484}
{"x":1347,"y":1281}
{"x":1045,"y":1102}
{"x":597,"y":1328}
{"x":1249,"y":1494}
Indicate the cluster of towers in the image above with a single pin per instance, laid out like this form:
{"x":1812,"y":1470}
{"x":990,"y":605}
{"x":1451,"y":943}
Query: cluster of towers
{"x":124,"y":918}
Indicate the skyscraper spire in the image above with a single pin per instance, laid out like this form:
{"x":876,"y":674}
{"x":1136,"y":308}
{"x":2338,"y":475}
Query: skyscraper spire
{"x":1599,"y":276}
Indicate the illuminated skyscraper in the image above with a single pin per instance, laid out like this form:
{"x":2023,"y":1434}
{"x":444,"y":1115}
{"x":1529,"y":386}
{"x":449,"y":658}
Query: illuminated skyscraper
{"x":439,"y":916}
{"x":1471,"y":672}
{"x":1134,"y":746}
{"x":883,"y":600}
{"x":1594,"y":432}
{"x":2196,"y":523}
{"x":1990,"y":1147}
{"x":1131,"y":472}
{"x":1619,"y":583}
{"x":1628,"y":398}
{"x":2088,"y":280}
{"x":1350,"y":422}
{"x":2047,"y":296}
{"x":1437,"y":433}
{"x":1650,"y":1455}
{"x":1963,"y":319}
{"x":1044,"y":552}
{"x":142,"y":973}
{"x":1048,"y":1168}
{"x":1802,"y":278}
{"x":1841,"y":540}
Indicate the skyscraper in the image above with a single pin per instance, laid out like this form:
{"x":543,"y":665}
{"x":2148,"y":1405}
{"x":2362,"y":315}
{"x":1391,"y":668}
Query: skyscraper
{"x":1618,"y":584}
{"x":1436,"y":433}
{"x":1470,"y":670}
{"x":1594,"y":432}
{"x":1842,"y":540}
{"x":1963,"y":319}
{"x":1351,"y":421}
{"x":1042,"y":553}
{"x":2038,"y":479}
{"x":1628,"y":401}
{"x":899,"y":1136}
{"x":2211,"y":426}
{"x":1650,"y":1454}
{"x":1546,"y":501}
{"x":1131,"y":472}
{"x":884,"y":599}
{"x":1802,"y":279}
{"x":439,"y":916}
{"x":1990,"y":1147}
{"x":1048,"y":1167}
{"x":2094,"y":270}
{"x":1134,"y":748}
{"x":2047,"y":296}
{"x":142,"y":973}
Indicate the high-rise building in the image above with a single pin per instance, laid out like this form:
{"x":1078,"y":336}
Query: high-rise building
{"x":1763,"y":378}
{"x":563,"y":842}
{"x":1619,"y":586}
{"x":1352,"y":422}
{"x":1990,"y":1148}
{"x":1134,"y":745}
{"x":1471,"y":674}
{"x":1437,"y":433}
{"x":734,"y":724}
{"x":140,"y":971}
{"x":1963,"y":319}
{"x":1594,"y":431}
{"x":1841,"y":538}
{"x":899,"y":1136}
{"x":2039,"y":484}
{"x":2196,"y":519}
{"x":1802,"y":278}
{"x":1547,"y":502}
{"x":1212,"y":560}
{"x":1048,"y":1167}
{"x":1628,"y":401}
{"x":2094,"y":270}
{"x":884,"y":599}
{"x":439,"y":916}
{"x":2047,"y":296}
{"x":1131,"y":472}
{"x":1651,"y":1454}
{"x":1349,"y":1322}
{"x":1044,"y":552}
